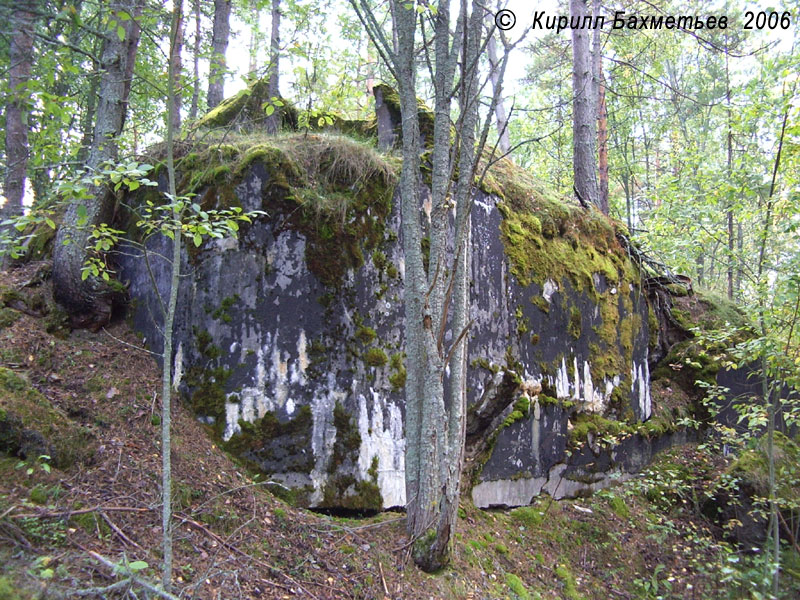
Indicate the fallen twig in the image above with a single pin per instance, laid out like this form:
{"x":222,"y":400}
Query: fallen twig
{"x":125,"y":539}
{"x":134,"y":578}
{"x":68,"y":513}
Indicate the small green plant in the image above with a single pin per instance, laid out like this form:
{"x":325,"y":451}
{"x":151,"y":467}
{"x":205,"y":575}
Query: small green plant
{"x":30,"y":466}
{"x":653,"y":586}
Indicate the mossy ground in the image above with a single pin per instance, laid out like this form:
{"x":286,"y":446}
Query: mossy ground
{"x":30,"y":426}
{"x":627,"y":540}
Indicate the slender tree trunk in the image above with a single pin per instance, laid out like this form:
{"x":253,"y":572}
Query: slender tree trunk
{"x":602,"y":116}
{"x":500,"y":110}
{"x":436,"y":300}
{"x":20,"y":54}
{"x":196,"y":60}
{"x":584,"y":115}
{"x":175,"y":52}
{"x":414,"y":277}
{"x":729,"y":212}
{"x":272,"y":123}
{"x":740,"y":258}
{"x":255,"y":38}
{"x":219,"y":45}
{"x":770,"y":398}
{"x":169,"y":318}
{"x":89,"y":302}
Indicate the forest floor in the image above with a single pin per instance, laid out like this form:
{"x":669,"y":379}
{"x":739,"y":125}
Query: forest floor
{"x":234,"y":539}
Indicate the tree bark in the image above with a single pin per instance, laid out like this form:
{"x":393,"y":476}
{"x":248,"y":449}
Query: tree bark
{"x":195,"y":61}
{"x":272,"y":123}
{"x":20,"y":58}
{"x":436,"y":299}
{"x":584,"y":115}
{"x":175,"y":58}
{"x":219,"y":45}
{"x":602,"y":116}
{"x":500,"y":110}
{"x":169,"y":317}
{"x":255,"y":38}
{"x":90,"y":302}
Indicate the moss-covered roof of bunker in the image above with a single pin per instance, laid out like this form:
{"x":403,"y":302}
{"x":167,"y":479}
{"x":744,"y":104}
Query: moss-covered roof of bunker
{"x":343,"y":187}
{"x":550,"y":238}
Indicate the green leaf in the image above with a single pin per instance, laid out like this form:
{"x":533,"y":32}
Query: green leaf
{"x":198,"y":239}
{"x":269,"y":109}
{"x":133,"y":185}
{"x":50,"y":223}
{"x":138,"y":565}
{"x":121,"y":33}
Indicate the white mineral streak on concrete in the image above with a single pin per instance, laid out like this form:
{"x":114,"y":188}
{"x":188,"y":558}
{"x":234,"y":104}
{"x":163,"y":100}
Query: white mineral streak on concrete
{"x":576,"y":390}
{"x":562,"y":381}
{"x":535,"y":430}
{"x":520,"y":492}
{"x":591,"y":402}
{"x":487,"y":207}
{"x":298,"y":370}
{"x":385,"y":441}
{"x":279,"y":373}
{"x":550,"y":287}
{"x":582,"y":388}
{"x":253,"y":402}
{"x":640,"y":383}
{"x":507,"y":492}
{"x":177,"y":367}
{"x":227,"y":243}
{"x":289,"y":257}
{"x":323,"y":433}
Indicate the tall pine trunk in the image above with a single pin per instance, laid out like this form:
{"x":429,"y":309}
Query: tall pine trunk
{"x":219,"y":45}
{"x":602,"y":115}
{"x":584,"y":115}
{"x":20,"y":54}
{"x":89,"y":302}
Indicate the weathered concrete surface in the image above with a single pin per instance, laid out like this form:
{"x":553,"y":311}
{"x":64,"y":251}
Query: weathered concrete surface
{"x":317,"y":369}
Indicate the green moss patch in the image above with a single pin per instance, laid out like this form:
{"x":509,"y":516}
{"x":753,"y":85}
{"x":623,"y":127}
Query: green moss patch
{"x":335,"y":190}
{"x":343,"y":490}
{"x":30,"y":426}
{"x":271,"y":445}
{"x":375,"y":357}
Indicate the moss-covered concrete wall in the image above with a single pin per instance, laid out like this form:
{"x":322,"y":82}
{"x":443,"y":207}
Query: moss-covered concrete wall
{"x":289,"y":339}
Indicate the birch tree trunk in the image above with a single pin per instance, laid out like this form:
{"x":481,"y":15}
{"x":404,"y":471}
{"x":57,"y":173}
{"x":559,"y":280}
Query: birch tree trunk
{"x":89,"y":302}
{"x":20,"y":54}
{"x":219,"y":45}
{"x":584,"y":115}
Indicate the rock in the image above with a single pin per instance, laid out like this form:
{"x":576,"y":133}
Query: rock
{"x":289,"y":340}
